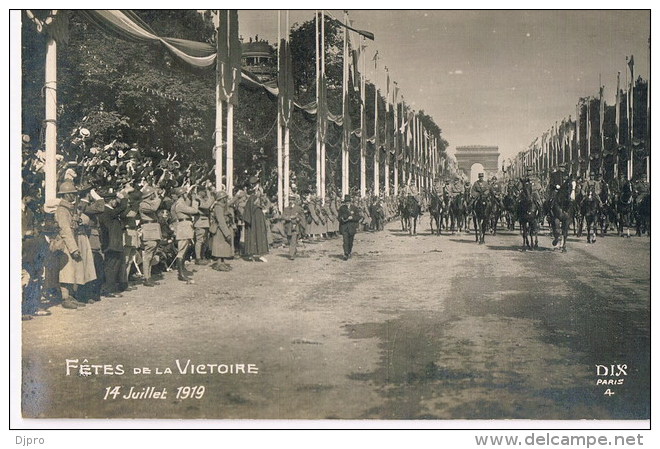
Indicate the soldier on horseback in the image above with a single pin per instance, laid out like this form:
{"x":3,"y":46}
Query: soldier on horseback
{"x":479,"y":188}
{"x":593,"y":186}
{"x":535,"y":182}
{"x":496,"y":191}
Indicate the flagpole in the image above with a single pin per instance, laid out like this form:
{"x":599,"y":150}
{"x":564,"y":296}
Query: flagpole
{"x":322,"y":77}
{"x":387,"y":137}
{"x":618,"y":125}
{"x":318,"y":105}
{"x":363,"y":121}
{"x":345,"y":110}
{"x":50,"y":93}
{"x":287,"y":185}
{"x":377,"y":149}
{"x":230,"y":128}
{"x":396,"y":141}
{"x":632,"y":117}
{"x":218,"y":109}
{"x":280,"y":156}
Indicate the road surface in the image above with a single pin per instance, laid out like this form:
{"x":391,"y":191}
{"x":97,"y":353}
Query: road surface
{"x":412,"y":327}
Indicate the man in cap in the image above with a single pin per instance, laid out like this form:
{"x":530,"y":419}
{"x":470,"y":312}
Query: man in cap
{"x":256,"y":230}
{"x":203,"y":201}
{"x":593,"y":186}
{"x":557,"y":177}
{"x":112,"y":243}
{"x":536,"y":186}
{"x":72,"y":272}
{"x":91,"y":206}
{"x":293,"y":215}
{"x":151,"y":231}
{"x":182,"y":212}
{"x":222,"y":232}
{"x":479,"y":188}
{"x":349,"y":217}
{"x":641,"y":189}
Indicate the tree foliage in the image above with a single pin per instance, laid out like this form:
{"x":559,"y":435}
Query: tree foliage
{"x":138,"y":94}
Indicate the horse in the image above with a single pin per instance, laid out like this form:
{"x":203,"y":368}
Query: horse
{"x":528,"y":215}
{"x":377,"y":213}
{"x":405,"y":220}
{"x":560,"y":218}
{"x":623,"y":205}
{"x":495,"y":213}
{"x":510,"y":212}
{"x":444,"y":216}
{"x":436,"y":209}
{"x":457,"y":212}
{"x":590,"y":211}
{"x":411,"y":210}
{"x":605,"y":210}
{"x":481,"y":211}
{"x":643,"y":214}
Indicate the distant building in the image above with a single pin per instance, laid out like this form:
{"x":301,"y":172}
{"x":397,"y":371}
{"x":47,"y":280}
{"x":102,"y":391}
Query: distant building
{"x":259,"y":58}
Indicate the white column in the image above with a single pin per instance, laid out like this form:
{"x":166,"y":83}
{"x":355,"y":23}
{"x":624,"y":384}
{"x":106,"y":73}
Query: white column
{"x":230,"y":149}
{"x":50,"y":92}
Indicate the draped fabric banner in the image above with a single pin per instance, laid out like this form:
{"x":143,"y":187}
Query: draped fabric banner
{"x":285,"y":83}
{"x":55,"y":22}
{"x":322,"y":110}
{"x":229,"y":56}
{"x":127,"y":25}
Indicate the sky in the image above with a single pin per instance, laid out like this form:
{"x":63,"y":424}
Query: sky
{"x":493,"y":77}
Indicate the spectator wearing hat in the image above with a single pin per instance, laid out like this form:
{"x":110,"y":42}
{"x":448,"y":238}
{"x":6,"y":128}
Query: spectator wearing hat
{"x":130,"y":201}
{"x":293,"y":216}
{"x":78,"y":269}
{"x":182,"y":213}
{"x":34,"y":254}
{"x":222,"y":234}
{"x":349,"y":217}
{"x":112,"y":243}
{"x":91,"y":206}
{"x":151,"y":231}
{"x":256,"y":234}
{"x":203,"y":202}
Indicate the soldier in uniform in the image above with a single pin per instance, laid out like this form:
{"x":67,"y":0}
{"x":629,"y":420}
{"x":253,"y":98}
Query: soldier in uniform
{"x":74,"y":272}
{"x":496,"y":191}
{"x":592,"y":185}
{"x":182,"y":213}
{"x":222,"y":241}
{"x":536,"y":186}
{"x":479,"y":188}
{"x":641,"y":189}
{"x":203,"y":202}
{"x":349,"y":217}
{"x":151,"y":231}
{"x":293,"y":216}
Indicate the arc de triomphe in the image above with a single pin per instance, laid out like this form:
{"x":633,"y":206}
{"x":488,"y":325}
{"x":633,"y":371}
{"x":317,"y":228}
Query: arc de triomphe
{"x":486,"y":155}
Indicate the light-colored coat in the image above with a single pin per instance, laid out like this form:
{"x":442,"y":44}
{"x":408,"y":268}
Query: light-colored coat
{"x":74,"y":272}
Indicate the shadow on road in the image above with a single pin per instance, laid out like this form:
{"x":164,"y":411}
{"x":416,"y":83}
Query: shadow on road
{"x":517,"y":248}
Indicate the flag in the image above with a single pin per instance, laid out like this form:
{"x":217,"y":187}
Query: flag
{"x":322,"y":110}
{"x":229,"y":56}
{"x":54,"y":22}
{"x":601,"y":119}
{"x":285,"y":83}
{"x":367,"y":34}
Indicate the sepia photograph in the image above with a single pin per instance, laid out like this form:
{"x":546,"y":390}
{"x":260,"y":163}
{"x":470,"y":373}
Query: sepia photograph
{"x":331,"y":218}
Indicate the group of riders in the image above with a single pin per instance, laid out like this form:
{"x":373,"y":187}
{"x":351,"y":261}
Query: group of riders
{"x":563,"y":200}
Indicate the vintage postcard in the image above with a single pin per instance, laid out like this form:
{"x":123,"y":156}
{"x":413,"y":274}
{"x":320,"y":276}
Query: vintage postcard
{"x":332,"y":219}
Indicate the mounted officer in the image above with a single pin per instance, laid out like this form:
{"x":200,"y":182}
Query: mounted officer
{"x":479,"y":188}
{"x":532,"y":179}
